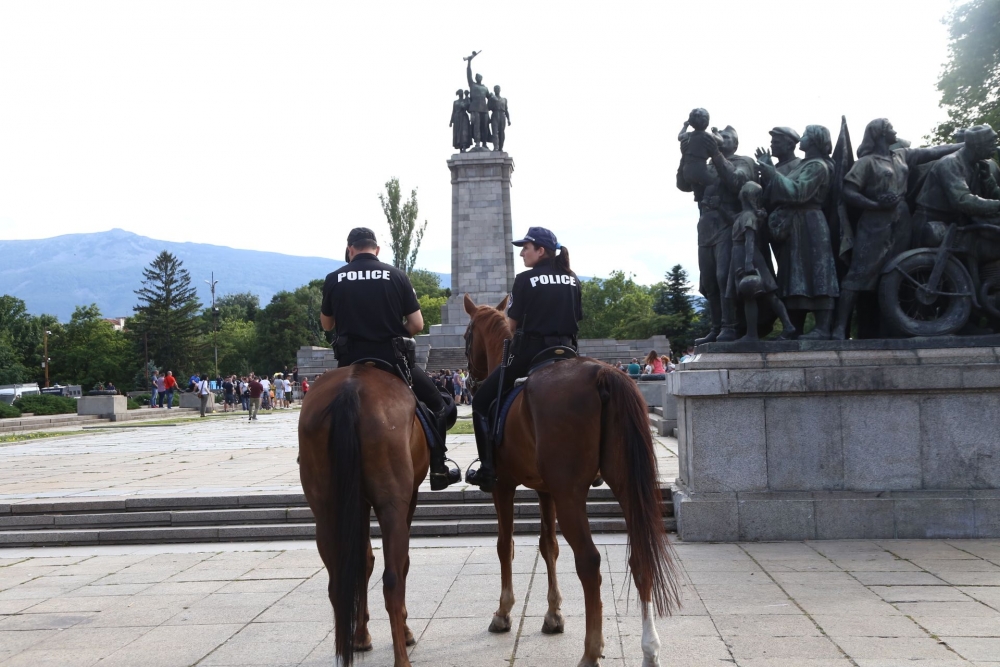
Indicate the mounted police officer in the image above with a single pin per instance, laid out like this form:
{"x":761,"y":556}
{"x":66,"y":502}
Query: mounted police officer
{"x":375,"y":312}
{"x":543,"y":310}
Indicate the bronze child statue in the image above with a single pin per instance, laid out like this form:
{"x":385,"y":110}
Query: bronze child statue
{"x":694,"y":174}
{"x":749,"y":275}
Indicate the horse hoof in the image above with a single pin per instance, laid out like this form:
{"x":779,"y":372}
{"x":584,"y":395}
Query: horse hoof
{"x":588,"y":663}
{"x":362,"y":648}
{"x":553,"y":625}
{"x":650,"y":662}
{"x":500,"y":624}
{"x":410,"y":639}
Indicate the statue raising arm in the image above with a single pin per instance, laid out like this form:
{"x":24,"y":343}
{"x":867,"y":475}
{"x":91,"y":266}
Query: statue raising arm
{"x":468,"y":67}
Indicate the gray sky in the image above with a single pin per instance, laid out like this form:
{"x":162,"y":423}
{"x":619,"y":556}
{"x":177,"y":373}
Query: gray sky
{"x":274,"y":125}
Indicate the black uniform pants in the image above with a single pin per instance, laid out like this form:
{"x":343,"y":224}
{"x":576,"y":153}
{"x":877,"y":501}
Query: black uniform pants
{"x":423,"y":386}
{"x":490,"y":389}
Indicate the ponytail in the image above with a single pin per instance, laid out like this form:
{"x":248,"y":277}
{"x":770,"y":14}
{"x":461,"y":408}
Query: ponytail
{"x":562,"y":260}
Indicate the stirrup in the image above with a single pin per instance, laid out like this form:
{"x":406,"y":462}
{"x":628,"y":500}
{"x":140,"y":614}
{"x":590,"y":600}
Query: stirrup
{"x":473,"y":477}
{"x":442,"y":480}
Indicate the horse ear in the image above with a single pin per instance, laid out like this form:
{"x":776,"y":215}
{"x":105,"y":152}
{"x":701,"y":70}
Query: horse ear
{"x":470,"y":305}
{"x":502,"y":306}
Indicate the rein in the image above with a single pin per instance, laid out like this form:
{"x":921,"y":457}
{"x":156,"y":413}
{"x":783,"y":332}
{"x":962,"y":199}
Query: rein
{"x":473,"y":383}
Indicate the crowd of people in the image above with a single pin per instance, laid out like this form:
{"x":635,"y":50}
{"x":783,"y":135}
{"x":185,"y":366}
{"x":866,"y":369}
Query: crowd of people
{"x":455,"y":383}
{"x":248,"y":393}
{"x":653,"y":364}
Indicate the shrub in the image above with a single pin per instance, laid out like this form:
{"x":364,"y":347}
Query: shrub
{"x":8,"y":411}
{"x":46,"y":404}
{"x":133,"y":405}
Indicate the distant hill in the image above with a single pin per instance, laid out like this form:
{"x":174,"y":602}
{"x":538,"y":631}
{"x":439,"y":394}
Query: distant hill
{"x":57,"y":274}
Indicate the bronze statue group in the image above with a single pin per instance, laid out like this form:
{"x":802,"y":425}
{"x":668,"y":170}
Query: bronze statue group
{"x":902,"y":241}
{"x":478,"y":116}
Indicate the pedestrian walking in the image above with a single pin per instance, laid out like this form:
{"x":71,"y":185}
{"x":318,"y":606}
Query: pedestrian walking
{"x":169,"y":386}
{"x":228,"y":394}
{"x":154,"y":390}
{"x":256,"y":390}
{"x":288,"y":392}
{"x":204,"y":392}
{"x":245,"y":394}
{"x":279,"y":390}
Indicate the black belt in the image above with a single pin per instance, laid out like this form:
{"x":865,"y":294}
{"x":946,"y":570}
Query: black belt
{"x":552,"y":341}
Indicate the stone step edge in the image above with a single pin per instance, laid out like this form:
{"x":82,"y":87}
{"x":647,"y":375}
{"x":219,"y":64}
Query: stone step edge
{"x":273,"y":532}
{"x":244,"y":517}
{"x":254,"y":501}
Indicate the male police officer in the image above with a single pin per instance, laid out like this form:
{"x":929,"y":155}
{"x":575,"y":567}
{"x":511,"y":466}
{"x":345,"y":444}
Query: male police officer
{"x":544,"y":307}
{"x":373,"y":307}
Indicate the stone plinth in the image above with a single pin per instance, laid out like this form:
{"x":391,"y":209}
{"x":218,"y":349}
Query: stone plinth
{"x":839,"y":444}
{"x":192,"y":400}
{"x":482,"y":258}
{"x":101,"y":405}
{"x":653,"y":392}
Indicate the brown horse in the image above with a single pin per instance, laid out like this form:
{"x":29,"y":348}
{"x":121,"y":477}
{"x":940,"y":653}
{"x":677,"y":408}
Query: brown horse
{"x":362,"y":447}
{"x":573,"y":419}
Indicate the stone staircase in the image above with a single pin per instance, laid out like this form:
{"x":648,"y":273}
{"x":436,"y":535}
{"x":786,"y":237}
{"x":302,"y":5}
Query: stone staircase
{"x":662,"y":425}
{"x":266,"y":517}
{"x":446,"y":357}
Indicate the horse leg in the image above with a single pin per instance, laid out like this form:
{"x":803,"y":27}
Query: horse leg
{"x":549,"y":546}
{"x":576,"y":529}
{"x":363,"y":640}
{"x":410,"y":639}
{"x":395,"y":549}
{"x":503,"y":501}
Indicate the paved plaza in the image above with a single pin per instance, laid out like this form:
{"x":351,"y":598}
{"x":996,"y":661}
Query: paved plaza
{"x":797,"y":604}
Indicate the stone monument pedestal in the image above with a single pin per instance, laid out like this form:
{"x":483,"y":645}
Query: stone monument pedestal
{"x":105,"y":406}
{"x":482,"y":258}
{"x":840,"y":441}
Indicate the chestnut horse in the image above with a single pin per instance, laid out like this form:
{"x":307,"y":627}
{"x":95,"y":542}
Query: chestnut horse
{"x":573,"y":419}
{"x":362,"y":447}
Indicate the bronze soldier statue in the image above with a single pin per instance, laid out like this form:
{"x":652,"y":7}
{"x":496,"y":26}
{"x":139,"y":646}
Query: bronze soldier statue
{"x":499,"y":118}
{"x":461,"y":133}
{"x":478,"y":105}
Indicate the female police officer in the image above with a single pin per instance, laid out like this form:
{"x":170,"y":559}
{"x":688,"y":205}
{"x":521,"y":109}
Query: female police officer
{"x":544,"y":307}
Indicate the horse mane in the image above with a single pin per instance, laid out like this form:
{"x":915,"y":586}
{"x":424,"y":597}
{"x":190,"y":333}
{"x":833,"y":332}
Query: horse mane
{"x":494,"y":324}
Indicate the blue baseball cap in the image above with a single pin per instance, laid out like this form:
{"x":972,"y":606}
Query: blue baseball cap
{"x":540,"y":237}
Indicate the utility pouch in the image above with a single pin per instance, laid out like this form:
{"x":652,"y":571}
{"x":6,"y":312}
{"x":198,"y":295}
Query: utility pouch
{"x":406,"y":350}
{"x":339,"y":345}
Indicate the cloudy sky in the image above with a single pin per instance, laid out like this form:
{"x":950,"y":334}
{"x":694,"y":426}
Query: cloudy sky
{"x":274,"y":125}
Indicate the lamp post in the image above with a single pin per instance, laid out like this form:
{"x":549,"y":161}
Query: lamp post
{"x":45,"y":356}
{"x":215,"y":323}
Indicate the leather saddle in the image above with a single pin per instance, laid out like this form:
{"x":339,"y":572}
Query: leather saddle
{"x":432,"y":423}
{"x":546,"y":357}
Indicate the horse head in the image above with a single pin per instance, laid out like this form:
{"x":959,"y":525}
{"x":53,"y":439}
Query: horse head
{"x":484,"y":338}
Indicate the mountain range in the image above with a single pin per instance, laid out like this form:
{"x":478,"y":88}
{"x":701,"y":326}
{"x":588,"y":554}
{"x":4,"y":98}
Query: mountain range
{"x":57,"y":274}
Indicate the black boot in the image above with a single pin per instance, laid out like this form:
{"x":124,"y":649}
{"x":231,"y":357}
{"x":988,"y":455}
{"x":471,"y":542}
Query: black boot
{"x":485,"y":477}
{"x":443,"y":475}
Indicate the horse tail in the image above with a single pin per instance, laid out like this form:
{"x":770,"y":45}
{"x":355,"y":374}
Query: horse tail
{"x":344,"y":449}
{"x":625,"y":423}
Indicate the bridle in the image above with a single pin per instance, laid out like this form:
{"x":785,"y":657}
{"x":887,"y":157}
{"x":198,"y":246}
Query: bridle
{"x":472,"y":383}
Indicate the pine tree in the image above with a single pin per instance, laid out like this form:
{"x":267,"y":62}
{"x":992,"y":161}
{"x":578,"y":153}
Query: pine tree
{"x":166,"y":317}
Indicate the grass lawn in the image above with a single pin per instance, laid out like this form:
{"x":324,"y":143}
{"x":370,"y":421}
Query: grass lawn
{"x":32,"y":435}
{"x":462,"y":427}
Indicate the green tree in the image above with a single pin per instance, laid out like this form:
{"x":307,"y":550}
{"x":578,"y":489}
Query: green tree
{"x":430,"y":308}
{"x":237,"y":346}
{"x":167,"y":315}
{"x":970,"y":81}
{"x":12,"y":370}
{"x":402,"y":219}
{"x":616,"y":307}
{"x":674,"y":304}
{"x":241,"y":306}
{"x":427,"y":283}
{"x":290,"y":321}
{"x":91,"y":351}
